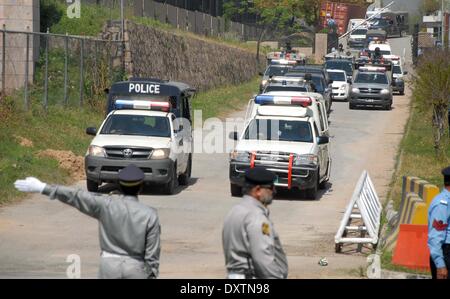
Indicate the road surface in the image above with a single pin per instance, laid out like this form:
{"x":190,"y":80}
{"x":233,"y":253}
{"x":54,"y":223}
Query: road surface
{"x":37,"y":235}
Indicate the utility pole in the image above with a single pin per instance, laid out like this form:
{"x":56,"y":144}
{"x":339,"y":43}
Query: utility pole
{"x":442,"y":24}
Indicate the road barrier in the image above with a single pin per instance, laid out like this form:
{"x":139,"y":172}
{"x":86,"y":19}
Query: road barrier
{"x":417,"y":195}
{"x":363,"y":215}
{"x":412,"y":250}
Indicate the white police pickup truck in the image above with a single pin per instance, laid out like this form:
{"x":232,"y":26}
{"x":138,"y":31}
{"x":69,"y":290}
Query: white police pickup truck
{"x":144,"y":130}
{"x":283,"y":136}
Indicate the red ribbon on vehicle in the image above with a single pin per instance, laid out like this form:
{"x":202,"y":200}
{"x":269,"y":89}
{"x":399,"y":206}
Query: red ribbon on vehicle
{"x":291,"y":161}
{"x":252,"y":161}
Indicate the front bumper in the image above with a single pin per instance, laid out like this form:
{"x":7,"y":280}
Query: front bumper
{"x":370,"y":99}
{"x":100,"y":169}
{"x":339,"y":95}
{"x":357,"y":44}
{"x":302,"y":177}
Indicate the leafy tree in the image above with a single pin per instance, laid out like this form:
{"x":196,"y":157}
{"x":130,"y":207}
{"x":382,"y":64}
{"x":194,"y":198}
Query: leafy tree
{"x":277,"y":15}
{"x":432,"y":91}
{"x":430,"y":6}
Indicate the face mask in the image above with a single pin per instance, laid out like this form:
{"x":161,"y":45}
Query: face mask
{"x":266,"y":198}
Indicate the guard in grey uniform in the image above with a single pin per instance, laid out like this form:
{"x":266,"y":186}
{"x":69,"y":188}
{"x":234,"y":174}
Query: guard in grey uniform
{"x":129,"y":230}
{"x":251,"y":245}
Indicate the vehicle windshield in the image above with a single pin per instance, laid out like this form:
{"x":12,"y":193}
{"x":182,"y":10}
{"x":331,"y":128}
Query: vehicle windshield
{"x":376,"y":78}
{"x":276,"y":71}
{"x":286,"y":88}
{"x":397,"y":69}
{"x":380,"y":22}
{"x":137,"y":125}
{"x":337,"y":76}
{"x":279,"y":130}
{"x":318,"y":84}
{"x":359,"y":32}
{"x":340,"y":65}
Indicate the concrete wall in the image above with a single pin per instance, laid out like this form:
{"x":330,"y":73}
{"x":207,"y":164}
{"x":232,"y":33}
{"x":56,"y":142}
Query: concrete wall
{"x":320,"y":48}
{"x":18,"y":15}
{"x":203,"y":65}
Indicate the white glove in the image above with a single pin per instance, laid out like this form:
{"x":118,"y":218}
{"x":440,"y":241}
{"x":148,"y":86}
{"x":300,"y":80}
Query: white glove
{"x":30,"y":184}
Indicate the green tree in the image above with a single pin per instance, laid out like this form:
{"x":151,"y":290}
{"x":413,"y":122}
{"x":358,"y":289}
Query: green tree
{"x":432,"y":91}
{"x":277,"y":15}
{"x":429,"y":6}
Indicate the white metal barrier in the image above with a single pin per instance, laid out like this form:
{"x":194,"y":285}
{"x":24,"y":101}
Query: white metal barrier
{"x":363,"y":215}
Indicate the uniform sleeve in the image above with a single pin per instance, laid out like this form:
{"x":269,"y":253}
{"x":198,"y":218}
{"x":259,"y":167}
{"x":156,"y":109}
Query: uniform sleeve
{"x":262,"y":248}
{"x":437,"y":230}
{"x":87,"y":203}
{"x":152,"y":246}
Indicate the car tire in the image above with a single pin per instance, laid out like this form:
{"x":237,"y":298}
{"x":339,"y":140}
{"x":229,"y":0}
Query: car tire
{"x":351,"y":106}
{"x":311,"y":193}
{"x":169,"y":187}
{"x":92,"y":186}
{"x":236,"y":190}
{"x":184,"y":178}
{"x":402,"y":92}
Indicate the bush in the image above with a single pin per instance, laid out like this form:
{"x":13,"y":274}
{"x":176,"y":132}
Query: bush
{"x":431,"y":90}
{"x":51,"y":12}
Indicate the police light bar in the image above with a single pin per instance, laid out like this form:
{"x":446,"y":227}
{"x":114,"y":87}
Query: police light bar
{"x":372,"y":69}
{"x":142,"y":105}
{"x":283,"y":100}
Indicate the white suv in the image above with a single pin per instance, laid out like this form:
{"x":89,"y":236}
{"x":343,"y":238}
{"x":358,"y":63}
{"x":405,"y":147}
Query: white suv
{"x":340,"y":85}
{"x":154,"y":141}
{"x":283,"y":136}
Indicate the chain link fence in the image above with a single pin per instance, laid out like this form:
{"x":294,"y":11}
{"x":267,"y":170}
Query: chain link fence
{"x":53,"y":69}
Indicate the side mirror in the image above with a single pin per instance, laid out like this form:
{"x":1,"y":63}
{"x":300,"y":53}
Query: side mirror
{"x":405,"y":73}
{"x":323,"y":140}
{"x":330,"y":82}
{"x":234,"y":136}
{"x":106,"y":90}
{"x":91,"y":131}
{"x":349,"y":80}
{"x":261,"y":73}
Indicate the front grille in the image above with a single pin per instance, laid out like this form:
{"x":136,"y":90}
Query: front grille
{"x":370,"y":90}
{"x":124,"y":152}
{"x":119,"y":168}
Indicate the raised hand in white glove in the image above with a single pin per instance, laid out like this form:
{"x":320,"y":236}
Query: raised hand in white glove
{"x":30,"y":184}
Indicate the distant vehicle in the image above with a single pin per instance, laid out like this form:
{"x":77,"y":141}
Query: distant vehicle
{"x":377,"y":35}
{"x":341,"y":64}
{"x":394,"y":23}
{"x":399,"y":79}
{"x":273,"y":71}
{"x":353,"y":23}
{"x":372,"y":87}
{"x":319,"y":82}
{"x":357,"y":38}
{"x":288,"y":84}
{"x":340,"y":85}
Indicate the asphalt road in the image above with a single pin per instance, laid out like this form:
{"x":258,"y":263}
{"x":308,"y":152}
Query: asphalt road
{"x":37,"y":235}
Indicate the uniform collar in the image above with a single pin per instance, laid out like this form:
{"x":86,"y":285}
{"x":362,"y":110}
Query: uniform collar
{"x":253,"y":201}
{"x":446,"y":193}
{"x":132,"y":198}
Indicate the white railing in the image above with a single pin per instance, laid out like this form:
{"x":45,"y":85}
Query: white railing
{"x":363,"y":215}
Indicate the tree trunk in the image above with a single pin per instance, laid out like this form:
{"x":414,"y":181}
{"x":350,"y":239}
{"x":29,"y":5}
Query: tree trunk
{"x":258,"y":45}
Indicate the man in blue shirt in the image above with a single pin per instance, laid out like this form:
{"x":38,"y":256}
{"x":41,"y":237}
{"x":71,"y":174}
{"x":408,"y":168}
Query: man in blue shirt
{"x":439,"y":231}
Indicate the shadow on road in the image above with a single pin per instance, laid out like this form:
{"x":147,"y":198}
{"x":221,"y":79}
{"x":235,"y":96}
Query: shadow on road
{"x":148,"y":189}
{"x":299,"y":195}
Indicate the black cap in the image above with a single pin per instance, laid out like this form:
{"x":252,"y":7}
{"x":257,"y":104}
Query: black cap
{"x":259,"y":176}
{"x":446,"y":174}
{"x":131,"y":176}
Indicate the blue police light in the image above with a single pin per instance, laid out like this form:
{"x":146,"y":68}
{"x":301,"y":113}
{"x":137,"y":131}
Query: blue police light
{"x":264,"y":100}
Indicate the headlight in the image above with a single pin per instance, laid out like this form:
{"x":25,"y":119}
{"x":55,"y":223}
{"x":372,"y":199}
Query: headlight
{"x":96,"y":151}
{"x":159,"y":154}
{"x":385,"y":91}
{"x":343,"y":87}
{"x":240,"y":156}
{"x":355,"y":90}
{"x":264,"y":82}
{"x":306,"y":160}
